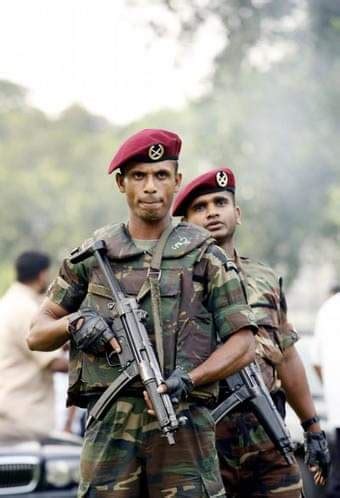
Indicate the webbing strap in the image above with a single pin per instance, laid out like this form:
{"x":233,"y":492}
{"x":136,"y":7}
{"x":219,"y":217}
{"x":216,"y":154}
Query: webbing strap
{"x":154,"y":277}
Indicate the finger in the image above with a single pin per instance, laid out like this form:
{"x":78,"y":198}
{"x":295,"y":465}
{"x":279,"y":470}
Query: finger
{"x":151,"y":412}
{"x":319,"y":479}
{"x":147,"y":401}
{"x":115,"y":345}
{"x":162,"y":389}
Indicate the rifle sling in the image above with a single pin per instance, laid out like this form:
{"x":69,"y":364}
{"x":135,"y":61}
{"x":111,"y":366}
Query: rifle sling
{"x":152,"y":285}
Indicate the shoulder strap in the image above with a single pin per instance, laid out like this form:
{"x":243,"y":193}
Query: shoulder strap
{"x":152,"y":285}
{"x":157,"y":253}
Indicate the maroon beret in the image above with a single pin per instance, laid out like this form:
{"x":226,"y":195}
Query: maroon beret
{"x":215,"y":180}
{"x":147,"y":146}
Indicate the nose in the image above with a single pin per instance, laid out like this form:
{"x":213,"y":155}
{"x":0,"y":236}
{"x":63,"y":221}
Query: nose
{"x":212,"y":211}
{"x":150,"y":186}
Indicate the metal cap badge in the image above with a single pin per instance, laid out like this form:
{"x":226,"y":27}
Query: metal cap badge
{"x":156,"y":152}
{"x":222,"y":179}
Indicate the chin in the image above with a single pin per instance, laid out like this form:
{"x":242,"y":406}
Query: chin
{"x":151,"y":216}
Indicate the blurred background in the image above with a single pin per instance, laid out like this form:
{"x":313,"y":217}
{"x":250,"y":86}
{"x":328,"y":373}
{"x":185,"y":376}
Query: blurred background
{"x":250,"y":84}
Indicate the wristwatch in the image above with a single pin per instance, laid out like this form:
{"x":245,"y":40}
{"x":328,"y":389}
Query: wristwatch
{"x":310,"y":421}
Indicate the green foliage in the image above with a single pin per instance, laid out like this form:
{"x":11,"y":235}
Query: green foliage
{"x":277,"y":126}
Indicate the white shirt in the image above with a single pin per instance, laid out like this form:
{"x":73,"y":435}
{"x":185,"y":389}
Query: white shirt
{"x":26,"y":386}
{"x":326,"y":354}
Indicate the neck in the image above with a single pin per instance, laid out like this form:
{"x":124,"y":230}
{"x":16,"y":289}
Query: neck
{"x":33,"y":285}
{"x":142,"y":230}
{"x":229,"y":248}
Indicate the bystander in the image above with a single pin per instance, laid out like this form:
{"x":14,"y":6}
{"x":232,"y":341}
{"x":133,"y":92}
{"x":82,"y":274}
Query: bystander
{"x":325,"y":358}
{"x":26,"y":388}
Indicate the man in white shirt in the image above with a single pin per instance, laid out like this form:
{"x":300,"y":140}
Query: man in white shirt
{"x":326,"y":360}
{"x":26,"y":387}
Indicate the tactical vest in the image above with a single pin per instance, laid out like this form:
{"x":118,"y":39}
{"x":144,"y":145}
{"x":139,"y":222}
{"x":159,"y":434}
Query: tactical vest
{"x":188,"y":333}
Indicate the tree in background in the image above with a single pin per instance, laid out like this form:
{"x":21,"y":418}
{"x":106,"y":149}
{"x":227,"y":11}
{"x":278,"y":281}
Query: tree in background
{"x":270,"y":114}
{"x":269,"y":111}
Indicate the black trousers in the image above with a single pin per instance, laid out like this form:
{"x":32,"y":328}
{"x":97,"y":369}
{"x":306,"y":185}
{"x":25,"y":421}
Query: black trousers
{"x":333,"y":488}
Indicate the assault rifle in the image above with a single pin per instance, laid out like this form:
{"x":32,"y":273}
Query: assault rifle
{"x":247,"y":386}
{"x":137,"y":357}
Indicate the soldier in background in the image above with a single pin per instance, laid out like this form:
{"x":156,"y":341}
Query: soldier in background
{"x":250,"y":464}
{"x":26,"y":387}
{"x":124,"y":455}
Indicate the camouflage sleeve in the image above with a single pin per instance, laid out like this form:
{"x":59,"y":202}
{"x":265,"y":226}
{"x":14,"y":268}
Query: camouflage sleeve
{"x":287,"y":334}
{"x":226,"y":296}
{"x":70,"y":287}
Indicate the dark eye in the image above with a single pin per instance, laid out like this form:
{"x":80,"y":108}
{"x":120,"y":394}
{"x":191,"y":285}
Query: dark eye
{"x":162,"y":175}
{"x":199,"y":208}
{"x":221,"y":202}
{"x":138,"y":175}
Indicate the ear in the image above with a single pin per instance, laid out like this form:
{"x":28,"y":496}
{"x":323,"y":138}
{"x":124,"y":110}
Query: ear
{"x":178,"y":181}
{"x":238,"y":215}
{"x":120,"y":179}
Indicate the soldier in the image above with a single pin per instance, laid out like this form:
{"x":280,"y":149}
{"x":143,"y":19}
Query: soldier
{"x":250,"y":465}
{"x":123,"y":454}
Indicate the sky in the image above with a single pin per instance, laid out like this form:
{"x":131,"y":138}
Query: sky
{"x":101,"y":54}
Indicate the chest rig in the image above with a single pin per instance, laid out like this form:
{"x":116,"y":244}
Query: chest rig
{"x":163,"y":282}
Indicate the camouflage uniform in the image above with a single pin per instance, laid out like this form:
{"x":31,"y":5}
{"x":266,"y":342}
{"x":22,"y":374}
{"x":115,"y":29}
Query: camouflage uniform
{"x":124,"y":454}
{"x":250,"y":464}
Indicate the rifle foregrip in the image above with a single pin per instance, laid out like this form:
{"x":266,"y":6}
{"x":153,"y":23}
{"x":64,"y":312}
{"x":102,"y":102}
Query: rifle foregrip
{"x":159,"y":407}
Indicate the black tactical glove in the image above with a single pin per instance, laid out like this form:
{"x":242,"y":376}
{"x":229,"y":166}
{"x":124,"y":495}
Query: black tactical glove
{"x":89,"y":331}
{"x":179,"y":385}
{"x":317,"y":452}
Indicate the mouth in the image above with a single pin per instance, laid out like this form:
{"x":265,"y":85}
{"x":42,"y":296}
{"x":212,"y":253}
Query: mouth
{"x":214,"y":225}
{"x":151,"y":203}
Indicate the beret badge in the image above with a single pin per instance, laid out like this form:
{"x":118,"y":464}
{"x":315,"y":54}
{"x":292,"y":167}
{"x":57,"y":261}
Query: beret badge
{"x":156,"y":152}
{"x":222,"y":179}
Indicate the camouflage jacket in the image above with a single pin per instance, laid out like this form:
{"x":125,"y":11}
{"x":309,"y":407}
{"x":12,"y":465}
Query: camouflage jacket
{"x":267,"y":300}
{"x":202,"y":299}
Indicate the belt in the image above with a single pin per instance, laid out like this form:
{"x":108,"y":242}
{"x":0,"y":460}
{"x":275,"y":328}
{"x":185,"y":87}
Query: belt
{"x":137,"y":392}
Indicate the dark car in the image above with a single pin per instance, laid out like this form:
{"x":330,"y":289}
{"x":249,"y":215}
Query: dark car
{"x":48,"y":468}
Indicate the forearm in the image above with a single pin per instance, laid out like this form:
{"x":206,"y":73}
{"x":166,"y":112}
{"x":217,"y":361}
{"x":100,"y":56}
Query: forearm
{"x":237,"y":352}
{"x":294,"y":381}
{"x":48,"y":329}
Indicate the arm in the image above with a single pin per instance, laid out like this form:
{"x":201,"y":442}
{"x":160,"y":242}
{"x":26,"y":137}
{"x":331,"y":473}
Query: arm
{"x":294,"y":381}
{"x":237,"y":352}
{"x":49,"y":327}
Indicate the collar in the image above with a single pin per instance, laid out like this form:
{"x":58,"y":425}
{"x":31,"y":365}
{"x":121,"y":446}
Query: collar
{"x":183,"y":239}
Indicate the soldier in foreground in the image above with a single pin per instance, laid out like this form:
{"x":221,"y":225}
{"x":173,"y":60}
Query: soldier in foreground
{"x":195,"y":291}
{"x":250,"y":464}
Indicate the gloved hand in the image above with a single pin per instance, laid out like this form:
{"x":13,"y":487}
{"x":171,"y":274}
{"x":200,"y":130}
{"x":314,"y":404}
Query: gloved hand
{"x":89,"y":331}
{"x":317,"y":455}
{"x":179,"y":385}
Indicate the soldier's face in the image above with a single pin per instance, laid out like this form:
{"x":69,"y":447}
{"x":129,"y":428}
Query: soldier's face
{"x":217,"y":213}
{"x":149,"y":189}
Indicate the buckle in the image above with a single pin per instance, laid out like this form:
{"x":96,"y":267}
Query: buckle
{"x":155,"y":274}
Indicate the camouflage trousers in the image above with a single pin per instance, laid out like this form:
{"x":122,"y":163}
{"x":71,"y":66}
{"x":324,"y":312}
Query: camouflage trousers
{"x":124,"y":455}
{"x":251,"y":467}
